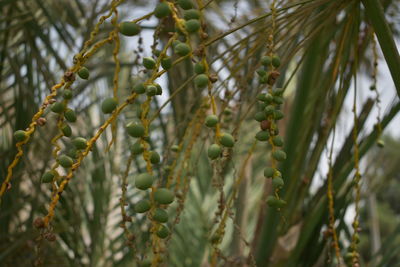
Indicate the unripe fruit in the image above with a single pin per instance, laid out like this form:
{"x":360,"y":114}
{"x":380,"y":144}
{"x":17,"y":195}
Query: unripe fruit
{"x":278,"y":100}
{"x":265,"y":125}
{"x":380,"y":143}
{"x":175,"y":43}
{"x":199,"y":68}
{"x":277,"y":140}
{"x":83,"y":73}
{"x":182,"y":49}
{"x":79,"y":143}
{"x":57,"y":107}
{"x":276,"y":61}
{"x":201,"y":80}
{"x":269,"y":110}
{"x":109,"y":105}
{"x":262,"y":136}
{"x":175,"y":148}
{"x":142,"y":206}
{"x":65,"y":161}
{"x":227,"y":140}
{"x":66,"y":130}
{"x":139,"y":88}
{"x":144,"y":181}
{"x":260,"y":116}
{"x":162,"y":10}
{"x":191,"y":14}
{"x":266,"y":61}
{"x":151,"y":90}
{"x":135,"y":130}
{"x":185,"y":4}
{"x":227,"y":111}
{"x":211,"y":121}
{"x":268,"y":98}
{"x":20,"y":135}
{"x":154,"y":157}
{"x":72,"y":153}
{"x":269,"y":172}
{"x":48,"y":176}
{"x":261,"y":97}
{"x":129,"y":28}
{"x":162,"y":232}
{"x":278,"y":115}
{"x":278,"y":182}
{"x":192,"y":25}
{"x":149,"y":63}
{"x":275,"y":203}
{"x":67,"y":94}
{"x":163,"y":196}
{"x":214,"y":151}
{"x":137,"y":148}
{"x":263,"y":79}
{"x":70,"y":115}
{"x":166,"y":63}
{"x":279,"y":155}
{"x":261,"y":72}
{"x":278,"y":92}
{"x":159,"y":89}
{"x":160,"y":215}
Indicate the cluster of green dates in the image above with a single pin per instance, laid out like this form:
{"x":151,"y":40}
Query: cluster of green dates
{"x":225,"y":139}
{"x":268,"y":64}
{"x":161,"y":197}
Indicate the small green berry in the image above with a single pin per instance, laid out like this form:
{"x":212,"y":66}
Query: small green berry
{"x":278,"y":100}
{"x":227,"y":140}
{"x":269,"y":172}
{"x":57,"y":107}
{"x":199,"y":68}
{"x":166,"y":63}
{"x":149,"y":63}
{"x":275,"y":203}
{"x":175,"y":148}
{"x":164,"y":196}
{"x":162,"y":232}
{"x":83,"y":73}
{"x":142,"y":206}
{"x":135,"y":130}
{"x":192,"y":25}
{"x":261,"y":72}
{"x":160,"y":215}
{"x":162,"y":10}
{"x":109,"y":105}
{"x":65,"y":161}
{"x":262,"y":136}
{"x":79,"y":143}
{"x":144,"y":181}
{"x":67,"y":94}
{"x":72,"y":153}
{"x":191,"y":14}
{"x":139,"y":88}
{"x":211,"y":120}
{"x":269,"y":110}
{"x":201,"y":80}
{"x":277,"y":141}
{"x":279,"y":155}
{"x":227,"y":111}
{"x":380,"y":143}
{"x":151,"y":90}
{"x":260,"y":116}
{"x":266,"y":61}
{"x":278,"y":182}
{"x":20,"y":135}
{"x":261,"y":97}
{"x":182,"y":49}
{"x":278,"y":92}
{"x":214,"y":151}
{"x":70,"y":115}
{"x":159,"y":89}
{"x":278,"y":115}
{"x":66,"y":130}
{"x":276,"y":61}
{"x":137,"y":148}
{"x":185,"y":4}
{"x":154,"y":157}
{"x":129,"y":28}
{"x":48,"y":176}
{"x":268,"y":98}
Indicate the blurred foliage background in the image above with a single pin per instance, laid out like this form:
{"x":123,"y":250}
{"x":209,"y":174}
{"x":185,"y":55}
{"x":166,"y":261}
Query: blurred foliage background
{"x":323,"y":45}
